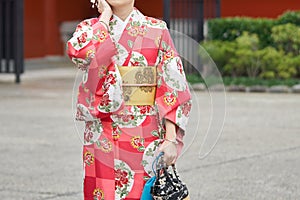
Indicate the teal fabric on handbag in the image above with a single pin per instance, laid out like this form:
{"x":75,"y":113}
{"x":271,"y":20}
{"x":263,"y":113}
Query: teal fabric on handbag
{"x":146,"y":195}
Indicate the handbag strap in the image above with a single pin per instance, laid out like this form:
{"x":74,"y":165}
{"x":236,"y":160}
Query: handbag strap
{"x":160,"y":166}
{"x":175,"y":171}
{"x":155,"y":162}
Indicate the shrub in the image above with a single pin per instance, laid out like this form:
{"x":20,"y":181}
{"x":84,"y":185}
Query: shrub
{"x":242,"y":57}
{"x":259,"y":47}
{"x":292,"y":17}
{"x":228,"y":29}
{"x":220,"y":51}
{"x":288,"y":67}
{"x":270,"y":60}
{"x":297,"y":64}
{"x":245,"y":61}
{"x":287,"y":38}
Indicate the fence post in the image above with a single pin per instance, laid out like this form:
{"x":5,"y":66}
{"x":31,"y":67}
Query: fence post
{"x":1,"y":34}
{"x":201,"y":21}
{"x":218,"y":8}
{"x":167,"y":14}
{"x":19,"y":38}
{"x":11,"y":37}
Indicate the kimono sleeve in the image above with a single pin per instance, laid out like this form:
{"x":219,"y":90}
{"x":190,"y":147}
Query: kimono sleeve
{"x":173,"y":97}
{"x":88,"y":36}
{"x":100,"y":92}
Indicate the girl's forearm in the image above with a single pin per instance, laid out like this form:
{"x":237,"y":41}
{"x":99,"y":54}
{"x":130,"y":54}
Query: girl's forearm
{"x":170,"y":130}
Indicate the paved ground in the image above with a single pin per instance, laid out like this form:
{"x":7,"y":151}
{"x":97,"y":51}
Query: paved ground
{"x":257,"y":156}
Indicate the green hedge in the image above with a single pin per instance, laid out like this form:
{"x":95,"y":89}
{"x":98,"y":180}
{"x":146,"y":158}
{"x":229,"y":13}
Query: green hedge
{"x":256,"y":47}
{"x":292,"y":17}
{"x":228,"y":29}
{"x":243,"y":57}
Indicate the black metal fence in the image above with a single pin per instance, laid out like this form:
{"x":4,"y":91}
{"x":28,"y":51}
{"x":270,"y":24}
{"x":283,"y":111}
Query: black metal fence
{"x":11,"y":37}
{"x":188,"y":17}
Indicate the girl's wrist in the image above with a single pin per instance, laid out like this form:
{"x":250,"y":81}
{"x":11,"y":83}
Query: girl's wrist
{"x":173,"y":141}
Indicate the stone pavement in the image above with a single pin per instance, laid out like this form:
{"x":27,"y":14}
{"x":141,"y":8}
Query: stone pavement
{"x":257,"y":156}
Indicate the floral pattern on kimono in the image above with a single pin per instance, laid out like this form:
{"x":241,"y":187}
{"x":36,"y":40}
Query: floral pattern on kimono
{"x":121,"y":141}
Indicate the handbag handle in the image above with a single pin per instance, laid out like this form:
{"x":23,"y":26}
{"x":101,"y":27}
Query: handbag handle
{"x":156,"y":162}
{"x":175,"y":171}
{"x":164,"y":168}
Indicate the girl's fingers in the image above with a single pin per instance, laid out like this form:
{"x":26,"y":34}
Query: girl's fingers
{"x":170,"y":153}
{"x":103,"y":6}
{"x":100,"y":6}
{"x":169,"y":159}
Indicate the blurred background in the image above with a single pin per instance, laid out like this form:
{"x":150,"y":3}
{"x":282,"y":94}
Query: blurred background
{"x":44,"y":20}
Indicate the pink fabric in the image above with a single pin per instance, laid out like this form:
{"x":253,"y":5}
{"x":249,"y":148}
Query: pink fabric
{"x":120,"y":142}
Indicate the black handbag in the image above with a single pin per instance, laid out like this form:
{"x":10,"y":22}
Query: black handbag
{"x":168,"y":185}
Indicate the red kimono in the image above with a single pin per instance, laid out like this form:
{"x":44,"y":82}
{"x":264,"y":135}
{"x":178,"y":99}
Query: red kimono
{"x":120,"y":139}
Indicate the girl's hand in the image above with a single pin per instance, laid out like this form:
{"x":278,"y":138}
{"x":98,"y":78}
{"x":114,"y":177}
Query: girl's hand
{"x":104,"y":8}
{"x":106,"y":12}
{"x":170,"y":152}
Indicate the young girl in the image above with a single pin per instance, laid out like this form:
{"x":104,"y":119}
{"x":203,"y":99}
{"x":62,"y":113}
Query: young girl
{"x":134,"y":98}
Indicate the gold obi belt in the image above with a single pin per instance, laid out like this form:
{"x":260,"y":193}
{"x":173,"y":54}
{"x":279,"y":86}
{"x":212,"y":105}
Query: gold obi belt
{"x":139,"y":84}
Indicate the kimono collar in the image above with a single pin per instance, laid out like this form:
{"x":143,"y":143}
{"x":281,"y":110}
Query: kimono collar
{"x":117,"y":25}
{"x":134,"y":15}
